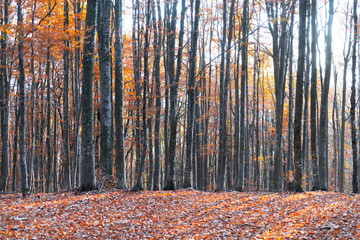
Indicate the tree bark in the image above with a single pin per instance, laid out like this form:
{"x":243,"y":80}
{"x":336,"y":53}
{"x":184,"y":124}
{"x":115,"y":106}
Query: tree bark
{"x":66,"y":126}
{"x":157,"y":46}
{"x":353,"y":104}
{"x":299,"y":100}
{"x":4,"y":103}
{"x":87,"y":167}
{"x":191,"y":92}
{"x":313,"y":103}
{"x":106,"y":148}
{"x":224,"y":83}
{"x":119,"y":99}
{"x":323,"y":141}
{"x":22,"y":108}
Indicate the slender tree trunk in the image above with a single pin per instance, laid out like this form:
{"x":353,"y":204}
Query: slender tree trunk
{"x":299,"y":100}
{"x":279,"y":62}
{"x":169,"y":181}
{"x":323,"y":141}
{"x":313,"y":103}
{"x":66,"y":126}
{"x":22,"y":108}
{"x":157,"y":47}
{"x":4,"y":103}
{"x":343,"y":107}
{"x":191,"y":90}
{"x":353,"y":105}
{"x":224,"y":83}
{"x":77,"y":99}
{"x":119,"y":99}
{"x":87,"y":167}
{"x":240,"y":170}
{"x":48,"y":123}
{"x":290,"y":160}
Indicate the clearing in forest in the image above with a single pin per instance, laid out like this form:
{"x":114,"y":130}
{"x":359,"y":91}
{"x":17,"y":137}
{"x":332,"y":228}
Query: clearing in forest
{"x":179,"y":215}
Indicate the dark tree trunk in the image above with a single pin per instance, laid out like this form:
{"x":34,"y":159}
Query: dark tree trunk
{"x":313,"y":103}
{"x":299,"y":100}
{"x":173,"y":80}
{"x":279,"y":62}
{"x":48,"y":123}
{"x":224,"y":83}
{"x":323,"y":140}
{"x":66,"y":128}
{"x":22,"y":109}
{"x":353,"y":104}
{"x":87,"y":167}
{"x":106,"y":148}
{"x":191,"y":92}
{"x":240,"y":170}
{"x":4,"y":103}
{"x":157,"y":46}
{"x":119,"y":100}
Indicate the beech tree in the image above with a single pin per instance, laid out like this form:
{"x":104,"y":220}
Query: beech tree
{"x":106,"y":156}
{"x":299,"y":99}
{"x":323,"y":140}
{"x":87,"y":167}
{"x":119,"y":99}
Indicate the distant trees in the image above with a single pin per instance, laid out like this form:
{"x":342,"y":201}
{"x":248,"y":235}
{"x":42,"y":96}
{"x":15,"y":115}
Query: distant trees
{"x":199,"y":95}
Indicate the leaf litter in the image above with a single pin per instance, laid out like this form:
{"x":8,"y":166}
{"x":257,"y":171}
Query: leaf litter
{"x":184,"y":214}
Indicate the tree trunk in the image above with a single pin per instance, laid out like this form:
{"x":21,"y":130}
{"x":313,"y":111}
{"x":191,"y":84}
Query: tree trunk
{"x":313,"y":103}
{"x":4,"y":103}
{"x":48,"y":123}
{"x":22,"y":109}
{"x":343,"y":105}
{"x":191,"y":91}
{"x":353,"y":105}
{"x":66,"y":126}
{"x":224,"y":83}
{"x":240,"y":170}
{"x":87,"y":167}
{"x":173,"y":81}
{"x":119,"y":99}
{"x":157,"y":46}
{"x":299,"y":100}
{"x":323,"y":141}
{"x":106,"y":149}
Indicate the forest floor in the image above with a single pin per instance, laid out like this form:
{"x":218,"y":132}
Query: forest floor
{"x":180,"y":215}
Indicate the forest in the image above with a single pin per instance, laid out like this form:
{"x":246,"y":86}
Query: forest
{"x":252,"y":95}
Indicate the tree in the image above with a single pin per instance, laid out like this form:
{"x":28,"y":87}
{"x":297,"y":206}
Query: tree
{"x":22,"y":110}
{"x":173,"y":81}
{"x":106,"y":157}
{"x":66,"y":126}
{"x":157,"y":46}
{"x":313,"y":103}
{"x":279,"y":56}
{"x":323,"y":140}
{"x":224,"y":83}
{"x":299,"y":99}
{"x":119,"y":99}
{"x":346,"y":55}
{"x":355,"y":187}
{"x":244,"y":52}
{"x":87,"y":167}
{"x":4,"y":103}
{"x":191,"y":92}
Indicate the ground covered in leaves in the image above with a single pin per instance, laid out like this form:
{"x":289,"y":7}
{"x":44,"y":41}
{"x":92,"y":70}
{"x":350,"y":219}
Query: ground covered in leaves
{"x":179,"y":215}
